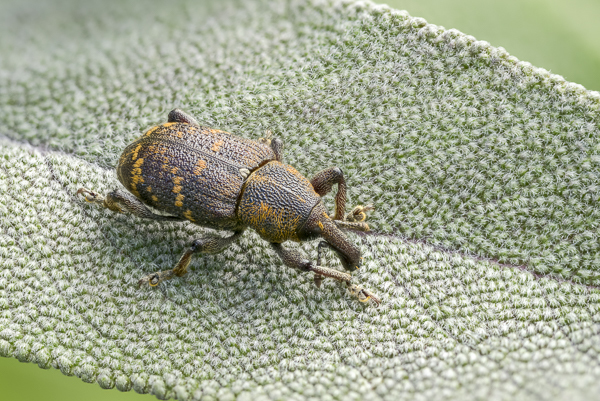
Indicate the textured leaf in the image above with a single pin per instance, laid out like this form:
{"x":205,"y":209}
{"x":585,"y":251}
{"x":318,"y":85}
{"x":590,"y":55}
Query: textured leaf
{"x":484,"y":172}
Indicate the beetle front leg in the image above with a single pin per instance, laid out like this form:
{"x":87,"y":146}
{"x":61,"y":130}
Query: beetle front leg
{"x":209,"y":245}
{"x":323,"y":183}
{"x":358,"y":214}
{"x":294,"y":259}
{"x":124,"y":202}
{"x":355,"y":219}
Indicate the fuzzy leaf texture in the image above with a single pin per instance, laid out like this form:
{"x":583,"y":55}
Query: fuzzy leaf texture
{"x":484,"y":172}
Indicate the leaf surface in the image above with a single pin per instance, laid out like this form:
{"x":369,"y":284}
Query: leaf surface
{"x":484,"y":172}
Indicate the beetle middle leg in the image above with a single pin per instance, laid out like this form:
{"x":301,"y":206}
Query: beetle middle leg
{"x":295,"y":259}
{"x":208,"y":245}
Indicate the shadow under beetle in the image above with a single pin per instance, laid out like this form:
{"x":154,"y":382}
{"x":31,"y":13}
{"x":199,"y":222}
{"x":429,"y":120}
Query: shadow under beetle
{"x":217,"y":180}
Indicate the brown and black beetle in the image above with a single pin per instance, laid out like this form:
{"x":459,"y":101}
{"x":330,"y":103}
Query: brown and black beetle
{"x":217,"y":180}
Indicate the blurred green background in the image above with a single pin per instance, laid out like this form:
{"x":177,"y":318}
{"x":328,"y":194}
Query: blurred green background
{"x":560,"y":36}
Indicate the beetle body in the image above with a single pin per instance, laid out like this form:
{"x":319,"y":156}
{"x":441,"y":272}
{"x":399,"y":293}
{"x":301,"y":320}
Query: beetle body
{"x":218,"y":180}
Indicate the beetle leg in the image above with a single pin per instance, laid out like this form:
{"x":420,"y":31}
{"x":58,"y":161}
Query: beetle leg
{"x":124,"y":202}
{"x":318,"y":278}
{"x":358,"y":214}
{"x":267,"y":138}
{"x":294,"y":259}
{"x":276,"y":145}
{"x":323,"y":182}
{"x":351,"y":225}
{"x":362,"y":294}
{"x":355,"y":220}
{"x":207,"y":245}
{"x":180,"y":116}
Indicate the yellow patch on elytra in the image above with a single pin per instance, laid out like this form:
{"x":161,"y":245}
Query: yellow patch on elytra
{"x":136,"y":172}
{"x":174,"y":170}
{"x":154,"y":198}
{"x":177,"y":189}
{"x":136,"y":179}
{"x":179,"y":134}
{"x":149,"y":189}
{"x":200,"y":165}
{"x":217,"y":145}
{"x":135,"y":152}
{"x":156,"y":149}
{"x":320,"y":225}
{"x":168,"y":124}
{"x":178,"y":200}
{"x":177,"y":180}
{"x":151,"y":130}
{"x":188,"y":215}
{"x":133,"y":189}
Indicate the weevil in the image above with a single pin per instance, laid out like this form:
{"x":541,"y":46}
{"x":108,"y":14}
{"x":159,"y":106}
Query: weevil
{"x":221,"y":181}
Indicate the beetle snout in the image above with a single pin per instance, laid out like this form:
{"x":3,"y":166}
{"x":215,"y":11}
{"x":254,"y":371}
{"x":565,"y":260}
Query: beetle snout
{"x":349,"y":255}
{"x":350,"y":262}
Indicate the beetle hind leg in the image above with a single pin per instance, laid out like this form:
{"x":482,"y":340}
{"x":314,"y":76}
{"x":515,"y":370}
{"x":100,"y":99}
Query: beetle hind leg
{"x":208,"y":245}
{"x":123,"y":202}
